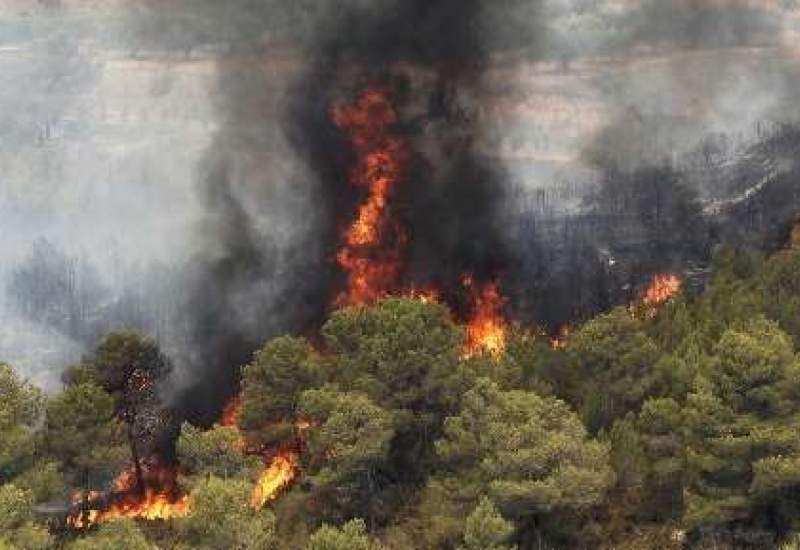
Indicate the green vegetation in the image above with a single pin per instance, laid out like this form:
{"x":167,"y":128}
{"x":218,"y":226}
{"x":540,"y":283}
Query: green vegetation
{"x":675,"y":428}
{"x":223,"y":518}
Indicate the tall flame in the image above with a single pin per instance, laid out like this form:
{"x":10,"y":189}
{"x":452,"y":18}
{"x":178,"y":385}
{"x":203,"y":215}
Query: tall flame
{"x":370,"y":252}
{"x":486,"y":329}
{"x":662,"y":289}
{"x":282,"y":470}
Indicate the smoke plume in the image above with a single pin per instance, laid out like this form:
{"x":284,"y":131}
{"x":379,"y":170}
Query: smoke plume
{"x":274,"y":240}
{"x":567,"y":149}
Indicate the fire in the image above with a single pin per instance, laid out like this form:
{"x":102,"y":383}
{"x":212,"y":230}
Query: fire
{"x":152,"y":506}
{"x":159,"y":500}
{"x":559,"y":342}
{"x":486,"y":330}
{"x":426,"y":296}
{"x":230,"y":413}
{"x":662,"y":289}
{"x":370,"y":252}
{"x":282,"y":470}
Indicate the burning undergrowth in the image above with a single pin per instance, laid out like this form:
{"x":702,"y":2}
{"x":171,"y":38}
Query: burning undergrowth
{"x":152,"y":489}
{"x":156,"y":496}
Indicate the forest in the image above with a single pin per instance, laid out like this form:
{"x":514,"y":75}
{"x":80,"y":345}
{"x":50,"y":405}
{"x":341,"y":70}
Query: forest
{"x":650,"y":426}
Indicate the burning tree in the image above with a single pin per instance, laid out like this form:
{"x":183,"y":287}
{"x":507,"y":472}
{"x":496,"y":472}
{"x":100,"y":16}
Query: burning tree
{"x":130,"y":367}
{"x":486,"y":330}
{"x":372,"y":251}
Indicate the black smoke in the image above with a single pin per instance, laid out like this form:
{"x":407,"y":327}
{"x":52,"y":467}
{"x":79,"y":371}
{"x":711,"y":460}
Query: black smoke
{"x":664,"y":180}
{"x":274,"y":184}
{"x":432,"y":56}
{"x":251,"y":282}
{"x":669,"y":184}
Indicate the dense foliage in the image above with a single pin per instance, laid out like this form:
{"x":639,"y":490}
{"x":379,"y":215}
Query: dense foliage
{"x":668,"y":427}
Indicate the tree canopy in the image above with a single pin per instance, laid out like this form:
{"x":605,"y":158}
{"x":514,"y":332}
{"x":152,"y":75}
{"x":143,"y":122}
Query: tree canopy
{"x":674,"y":427}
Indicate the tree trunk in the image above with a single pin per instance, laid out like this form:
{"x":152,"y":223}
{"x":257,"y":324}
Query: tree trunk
{"x":137,"y":465}
{"x":85,"y":516}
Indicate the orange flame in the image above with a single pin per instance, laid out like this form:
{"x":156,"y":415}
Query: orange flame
{"x":152,"y":506}
{"x":662,"y":289}
{"x":280,"y":472}
{"x":230,"y":412}
{"x":159,"y":500}
{"x":486,"y":330}
{"x":559,"y":342}
{"x":426,"y":295}
{"x":370,"y":253}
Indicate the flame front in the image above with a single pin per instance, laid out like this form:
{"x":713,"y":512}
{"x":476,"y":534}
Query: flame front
{"x":370,"y":252}
{"x":159,"y":500}
{"x":152,"y":506}
{"x":281,"y":471}
{"x":486,"y":329}
{"x":662,"y":289}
